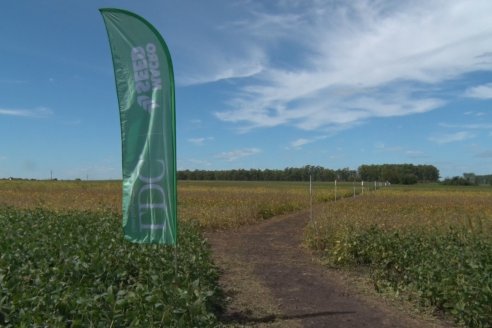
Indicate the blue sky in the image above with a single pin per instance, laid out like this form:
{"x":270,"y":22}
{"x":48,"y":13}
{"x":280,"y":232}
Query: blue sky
{"x":260,"y":84}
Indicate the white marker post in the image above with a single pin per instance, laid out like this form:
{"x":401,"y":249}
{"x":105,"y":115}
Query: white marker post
{"x":335,"y":190}
{"x":311,"y":197}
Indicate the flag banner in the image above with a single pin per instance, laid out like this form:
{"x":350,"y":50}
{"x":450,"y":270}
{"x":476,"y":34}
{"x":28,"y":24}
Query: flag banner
{"x":145,"y":88}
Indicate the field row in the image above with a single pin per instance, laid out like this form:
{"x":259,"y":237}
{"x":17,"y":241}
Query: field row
{"x":214,"y":205}
{"x":74,"y":269}
{"x":430,"y":246}
{"x":64,"y":262}
{"x":63,"y":256}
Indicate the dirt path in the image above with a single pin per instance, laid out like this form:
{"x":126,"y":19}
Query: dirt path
{"x":272,"y":281}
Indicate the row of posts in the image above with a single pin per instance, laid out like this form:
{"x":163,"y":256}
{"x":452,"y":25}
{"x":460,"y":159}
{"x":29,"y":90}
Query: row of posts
{"x":377,"y":184}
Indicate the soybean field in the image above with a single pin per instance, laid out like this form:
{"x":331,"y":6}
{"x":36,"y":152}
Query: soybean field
{"x":431,"y":245}
{"x":63,"y":260}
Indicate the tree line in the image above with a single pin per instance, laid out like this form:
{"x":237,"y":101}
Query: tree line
{"x":469,"y":179}
{"x":318,"y":173}
{"x":394,"y":173}
{"x":399,"y":173}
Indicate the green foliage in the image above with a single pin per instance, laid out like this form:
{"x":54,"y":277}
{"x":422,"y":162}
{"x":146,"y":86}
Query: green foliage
{"x":448,"y":270}
{"x":484,"y":179}
{"x":429,"y":243}
{"x":457,"y":181}
{"x":267,"y":211}
{"x":220,"y":205}
{"x":317,"y":173}
{"x":74,"y":269}
{"x":399,"y":173}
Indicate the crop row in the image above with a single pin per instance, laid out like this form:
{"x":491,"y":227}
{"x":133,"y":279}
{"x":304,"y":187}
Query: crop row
{"x":214,"y":205}
{"x":431,"y":246}
{"x":74,"y":269}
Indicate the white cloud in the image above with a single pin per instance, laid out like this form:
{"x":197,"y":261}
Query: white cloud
{"x":335,"y":113}
{"x":478,"y":126}
{"x":481,"y":92}
{"x":199,"y":162}
{"x":217,"y":57}
{"x":237,"y":154}
{"x":415,"y":154}
{"x":196,"y":141}
{"x":200,"y":141}
{"x":227,"y":72}
{"x":381,"y":147}
{"x":451,"y":137}
{"x":299,"y":143}
{"x":30,"y":113}
{"x":472,"y":113}
{"x":336,"y":65}
{"x":192,"y":163}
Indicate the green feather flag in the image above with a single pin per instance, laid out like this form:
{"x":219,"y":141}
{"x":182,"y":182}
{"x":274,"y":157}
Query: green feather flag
{"x":145,"y":88}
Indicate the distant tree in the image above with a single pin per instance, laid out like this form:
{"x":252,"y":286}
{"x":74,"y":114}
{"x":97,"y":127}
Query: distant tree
{"x":391,"y":173}
{"x":456,"y":181}
{"x":408,"y":179}
{"x":394,"y":173}
{"x":399,"y":173}
{"x":370,"y":172}
{"x":345,"y":174}
{"x":427,"y":173}
{"x":470,"y":177}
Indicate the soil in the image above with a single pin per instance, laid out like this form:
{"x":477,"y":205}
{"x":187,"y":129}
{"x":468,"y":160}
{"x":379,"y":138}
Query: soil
{"x":271,"y":280}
